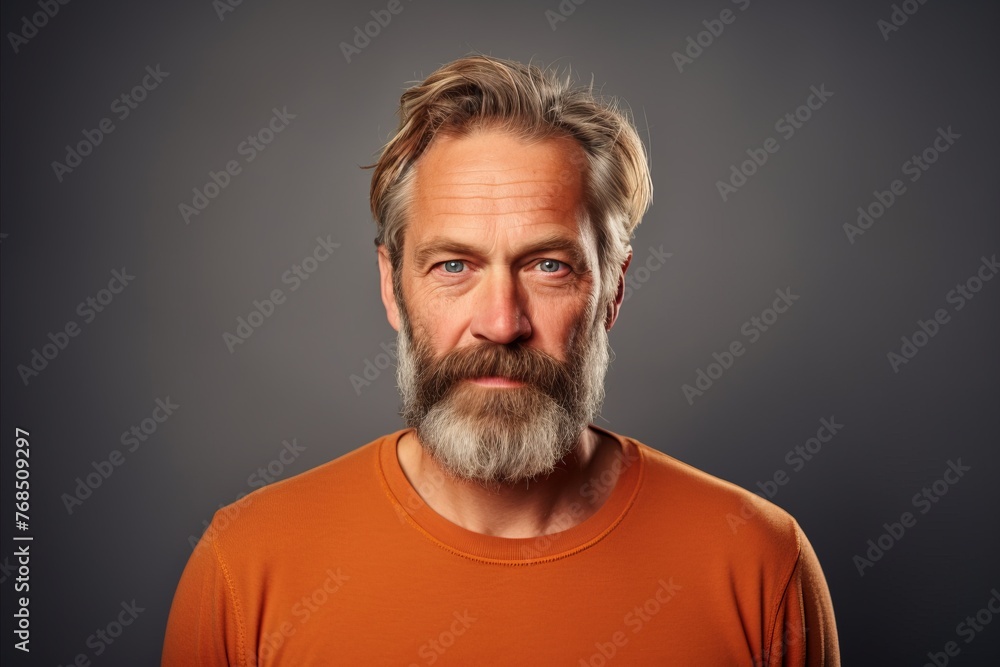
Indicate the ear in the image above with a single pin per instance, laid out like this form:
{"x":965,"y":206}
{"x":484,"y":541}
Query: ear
{"x":616,"y":303}
{"x":388,"y":296}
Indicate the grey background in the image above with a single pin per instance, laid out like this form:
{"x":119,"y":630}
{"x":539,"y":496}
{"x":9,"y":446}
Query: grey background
{"x":162,"y":336}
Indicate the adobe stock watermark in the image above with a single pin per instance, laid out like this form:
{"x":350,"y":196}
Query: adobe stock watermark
{"x":264,"y":309}
{"x":266,"y":474}
{"x":373,"y":369}
{"x":122,"y":107}
{"x":898,"y":17}
{"x":104,"y":637}
{"x":223,"y":7}
{"x":541,"y":546}
{"x":923,"y":500}
{"x":88,"y":310}
{"x":596,"y":489}
{"x":696,"y":44}
{"x":302,"y":611}
{"x":32,"y":23}
{"x":927,"y":329}
{"x":796,"y":458}
{"x":7,"y":569}
{"x":752,"y":329}
{"x":248,"y":149}
{"x":787,"y":125}
{"x":275,"y":468}
{"x":432,"y":649}
{"x":425,"y":489}
{"x":914,"y":168}
{"x":635,"y":620}
{"x":562,"y":12}
{"x":381,"y":18}
{"x":636,"y":277}
{"x":968,"y":629}
{"x":592,"y":491}
{"x":22,"y":585}
{"x":131,"y":439}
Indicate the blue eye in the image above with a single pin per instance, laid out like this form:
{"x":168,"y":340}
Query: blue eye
{"x":553,"y":263}
{"x":453,"y":262}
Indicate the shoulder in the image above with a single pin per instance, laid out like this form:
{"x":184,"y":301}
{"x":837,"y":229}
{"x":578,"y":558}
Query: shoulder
{"x":294,"y":506}
{"x":707,"y":510}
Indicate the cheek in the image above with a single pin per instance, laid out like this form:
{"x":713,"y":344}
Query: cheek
{"x":556,"y":331}
{"x":438,"y":326}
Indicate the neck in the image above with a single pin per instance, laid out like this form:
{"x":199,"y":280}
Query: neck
{"x":528,"y":509}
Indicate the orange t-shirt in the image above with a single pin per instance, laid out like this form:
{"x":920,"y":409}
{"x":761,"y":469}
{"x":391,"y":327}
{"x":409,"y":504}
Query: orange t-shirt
{"x":346,"y":565}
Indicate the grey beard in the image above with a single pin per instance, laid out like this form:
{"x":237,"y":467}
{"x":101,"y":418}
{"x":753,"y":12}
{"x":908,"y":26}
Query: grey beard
{"x":503,"y":436}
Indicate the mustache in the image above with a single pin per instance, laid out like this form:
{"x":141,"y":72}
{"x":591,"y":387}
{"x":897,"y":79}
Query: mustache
{"x":516,"y":361}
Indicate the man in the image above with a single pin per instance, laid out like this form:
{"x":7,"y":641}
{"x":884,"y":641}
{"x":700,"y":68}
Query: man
{"x":501,"y":527}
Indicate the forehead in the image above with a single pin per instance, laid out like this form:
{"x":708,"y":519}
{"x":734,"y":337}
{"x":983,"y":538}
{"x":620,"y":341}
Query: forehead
{"x":491,"y":182}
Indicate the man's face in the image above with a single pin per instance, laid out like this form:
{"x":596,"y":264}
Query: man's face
{"x":502,"y":354}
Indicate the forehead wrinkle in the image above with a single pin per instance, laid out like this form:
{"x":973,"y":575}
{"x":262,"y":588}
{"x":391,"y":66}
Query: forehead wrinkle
{"x":477,"y":207}
{"x":457,"y":169}
{"x":531,"y":188}
{"x":474,"y":205}
{"x":488,"y":169}
{"x":507,"y":219}
{"x":455,"y":177}
{"x":466,"y":184}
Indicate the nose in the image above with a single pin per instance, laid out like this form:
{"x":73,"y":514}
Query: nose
{"x":500,"y":307}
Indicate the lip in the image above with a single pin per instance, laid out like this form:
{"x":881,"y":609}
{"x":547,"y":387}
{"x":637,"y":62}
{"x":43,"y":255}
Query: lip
{"x":495,"y":381}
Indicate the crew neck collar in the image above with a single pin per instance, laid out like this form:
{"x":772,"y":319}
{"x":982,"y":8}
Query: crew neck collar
{"x":507,"y":550}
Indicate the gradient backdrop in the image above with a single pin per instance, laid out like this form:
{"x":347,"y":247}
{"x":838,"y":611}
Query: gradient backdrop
{"x":315,"y":378}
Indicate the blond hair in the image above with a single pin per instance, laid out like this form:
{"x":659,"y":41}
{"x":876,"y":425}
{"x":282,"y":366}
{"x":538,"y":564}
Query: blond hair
{"x":480,"y":92}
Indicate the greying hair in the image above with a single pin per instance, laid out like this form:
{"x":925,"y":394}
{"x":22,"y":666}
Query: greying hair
{"x":482,"y":92}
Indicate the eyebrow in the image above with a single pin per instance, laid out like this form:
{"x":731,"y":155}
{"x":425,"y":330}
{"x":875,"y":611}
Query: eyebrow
{"x":442,"y":246}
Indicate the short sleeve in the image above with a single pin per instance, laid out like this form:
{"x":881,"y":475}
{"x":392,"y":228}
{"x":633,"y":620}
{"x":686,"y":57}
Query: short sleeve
{"x":805,"y":630}
{"x":203,"y":627}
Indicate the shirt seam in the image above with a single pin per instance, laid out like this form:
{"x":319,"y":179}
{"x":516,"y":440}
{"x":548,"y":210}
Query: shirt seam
{"x":784,"y":594}
{"x":241,"y":641}
{"x":516,"y":563}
